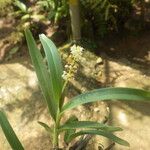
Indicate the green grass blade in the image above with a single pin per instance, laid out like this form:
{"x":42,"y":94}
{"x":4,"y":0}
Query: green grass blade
{"x":42,"y":74}
{"x":9,"y":133}
{"x":102,"y":133}
{"x":108,"y":94}
{"x":54,"y":65}
{"x":88,"y":124}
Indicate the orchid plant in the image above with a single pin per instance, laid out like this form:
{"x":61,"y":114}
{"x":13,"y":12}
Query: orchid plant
{"x":53,"y":80}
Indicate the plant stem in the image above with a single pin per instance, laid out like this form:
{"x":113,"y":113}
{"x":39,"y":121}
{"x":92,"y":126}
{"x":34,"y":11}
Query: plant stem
{"x":56,"y":133}
{"x":70,"y":71}
{"x":55,"y":138}
{"x":64,"y":86}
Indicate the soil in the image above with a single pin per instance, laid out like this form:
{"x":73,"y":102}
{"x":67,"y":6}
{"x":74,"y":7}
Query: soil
{"x":119,"y":62}
{"x":135,"y":48}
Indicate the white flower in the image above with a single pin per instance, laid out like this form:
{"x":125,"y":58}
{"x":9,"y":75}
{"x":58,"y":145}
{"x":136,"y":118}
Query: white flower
{"x":66,"y":66}
{"x":64,"y":75}
{"x":67,"y":75}
{"x":76,"y":51}
{"x":74,"y":58}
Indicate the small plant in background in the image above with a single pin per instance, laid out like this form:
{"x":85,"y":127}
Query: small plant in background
{"x":55,"y":10}
{"x":105,"y":16}
{"x":26,"y":15}
{"x":22,"y":15}
{"x":53,"y":81}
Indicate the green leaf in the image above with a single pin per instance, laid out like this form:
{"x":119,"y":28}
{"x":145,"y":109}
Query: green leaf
{"x":25,"y":17}
{"x":20,"y":5}
{"x":70,"y":131}
{"x":42,"y":74}
{"x":9,"y":133}
{"x":103,"y":4}
{"x":88,"y":124}
{"x":54,"y":66}
{"x":71,"y":119}
{"x":14,"y":50}
{"x":42,"y":3}
{"x":96,"y":4}
{"x":107,"y":12}
{"x":38,"y":17}
{"x":108,"y":94}
{"x":46,"y":127}
{"x":102,"y":133}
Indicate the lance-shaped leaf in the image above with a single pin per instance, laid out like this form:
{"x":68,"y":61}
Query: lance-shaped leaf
{"x":54,"y":65}
{"x":46,"y":127}
{"x":70,"y":131}
{"x":108,"y":94}
{"x":9,"y":133}
{"x":88,"y":124}
{"x":102,"y":133}
{"x":42,"y":74}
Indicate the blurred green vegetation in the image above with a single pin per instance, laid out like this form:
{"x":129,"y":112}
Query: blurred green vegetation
{"x":99,"y":18}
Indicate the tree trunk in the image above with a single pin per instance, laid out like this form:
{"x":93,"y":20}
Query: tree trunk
{"x":75,"y":19}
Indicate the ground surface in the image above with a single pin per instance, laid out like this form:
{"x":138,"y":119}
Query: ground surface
{"x":22,"y":101}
